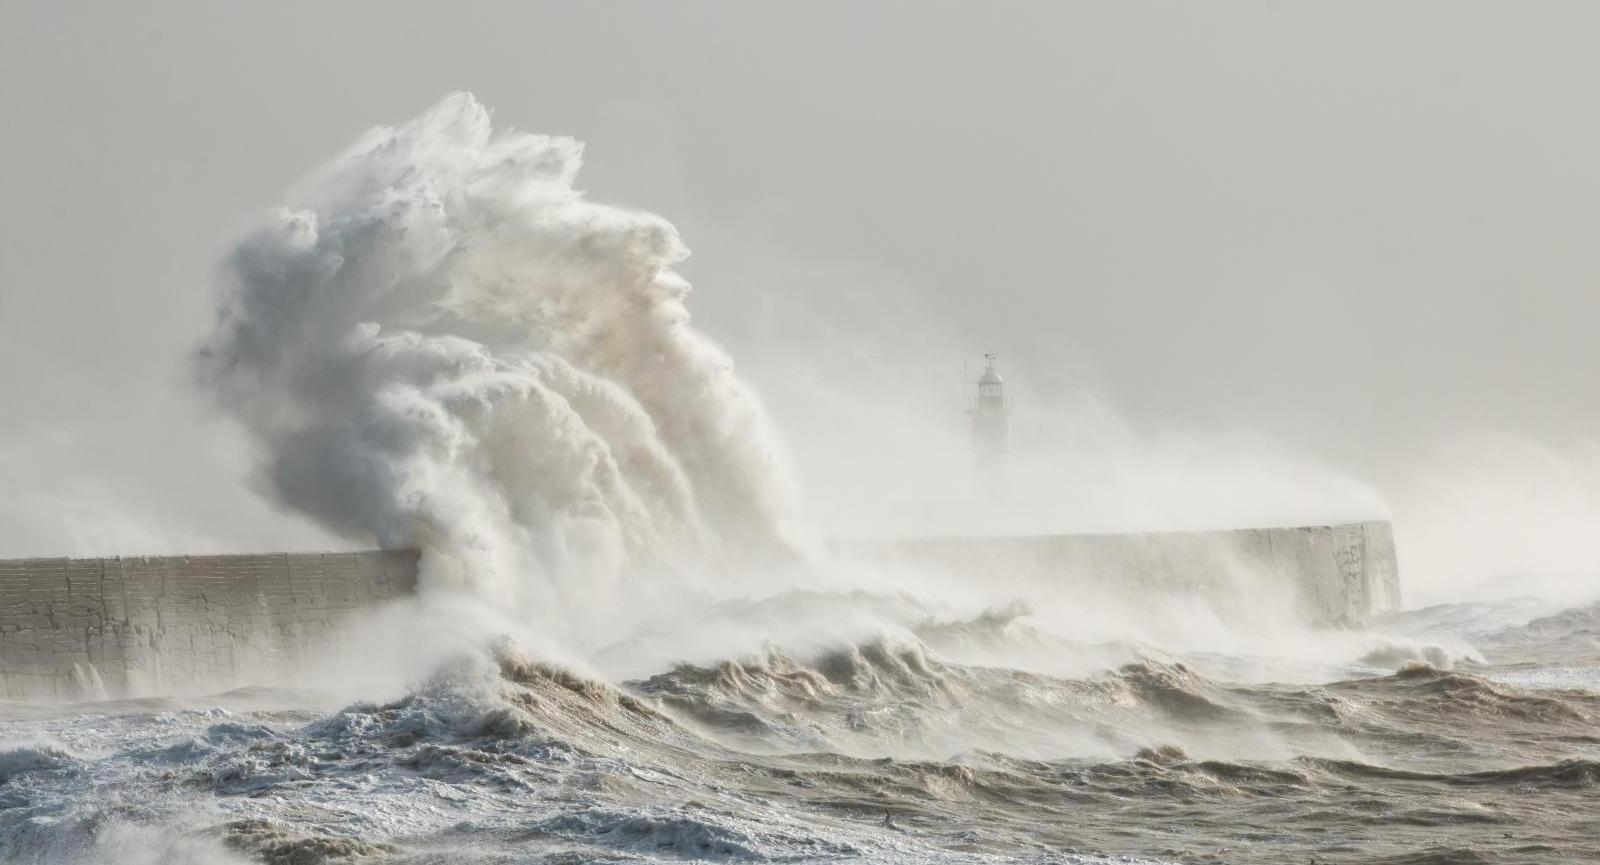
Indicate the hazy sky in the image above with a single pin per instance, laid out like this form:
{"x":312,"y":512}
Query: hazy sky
{"x":1362,"y":230}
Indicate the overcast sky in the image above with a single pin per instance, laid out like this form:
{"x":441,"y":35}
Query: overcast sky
{"x":1364,"y":231}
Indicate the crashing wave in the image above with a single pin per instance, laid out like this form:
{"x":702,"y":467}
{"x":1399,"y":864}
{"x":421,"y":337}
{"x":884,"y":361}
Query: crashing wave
{"x":443,"y":343}
{"x":19,"y":759}
{"x":1396,"y":654}
{"x":1569,"y":634}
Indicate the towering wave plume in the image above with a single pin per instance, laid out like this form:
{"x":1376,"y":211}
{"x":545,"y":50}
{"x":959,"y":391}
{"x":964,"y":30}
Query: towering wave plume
{"x":443,"y":343}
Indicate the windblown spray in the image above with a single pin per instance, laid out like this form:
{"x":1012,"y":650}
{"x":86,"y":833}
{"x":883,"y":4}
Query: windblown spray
{"x":444,"y":344}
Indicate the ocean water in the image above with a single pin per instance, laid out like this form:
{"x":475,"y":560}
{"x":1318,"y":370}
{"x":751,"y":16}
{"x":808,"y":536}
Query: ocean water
{"x":886,"y":751}
{"x":625,"y":649}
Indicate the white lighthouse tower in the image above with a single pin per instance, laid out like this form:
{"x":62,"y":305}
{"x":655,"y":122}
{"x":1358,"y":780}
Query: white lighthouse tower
{"x":991,"y":415}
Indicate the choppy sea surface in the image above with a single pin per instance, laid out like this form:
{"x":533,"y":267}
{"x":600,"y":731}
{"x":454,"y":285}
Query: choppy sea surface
{"x":896,"y":750}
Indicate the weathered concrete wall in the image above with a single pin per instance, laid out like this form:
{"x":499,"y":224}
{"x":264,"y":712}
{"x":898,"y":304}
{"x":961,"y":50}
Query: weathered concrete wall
{"x":79,"y":628}
{"x":131,"y":626}
{"x":1334,"y":574}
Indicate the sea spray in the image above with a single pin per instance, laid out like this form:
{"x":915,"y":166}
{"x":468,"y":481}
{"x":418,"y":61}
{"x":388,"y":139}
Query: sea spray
{"x":442,"y":343}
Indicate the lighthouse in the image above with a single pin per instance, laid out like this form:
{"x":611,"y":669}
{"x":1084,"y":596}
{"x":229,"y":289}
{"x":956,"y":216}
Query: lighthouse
{"x":991,"y":414}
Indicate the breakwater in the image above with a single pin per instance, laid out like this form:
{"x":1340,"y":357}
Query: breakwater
{"x":86,"y":628}
{"x":112,"y":627}
{"x":1331,"y":575}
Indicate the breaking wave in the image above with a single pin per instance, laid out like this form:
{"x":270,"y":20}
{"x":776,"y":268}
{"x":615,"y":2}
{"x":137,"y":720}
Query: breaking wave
{"x":442,"y":343}
{"x":883,"y":751}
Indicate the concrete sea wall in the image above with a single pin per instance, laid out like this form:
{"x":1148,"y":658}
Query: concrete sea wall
{"x":85,"y":628}
{"x":88,"y":628}
{"x":1332,"y":575}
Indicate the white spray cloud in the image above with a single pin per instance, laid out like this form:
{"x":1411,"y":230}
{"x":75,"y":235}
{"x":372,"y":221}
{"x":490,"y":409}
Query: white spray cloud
{"x":443,"y":344}
{"x":440,"y":343}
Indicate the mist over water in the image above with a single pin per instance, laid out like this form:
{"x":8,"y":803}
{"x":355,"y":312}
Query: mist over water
{"x":632,"y":644}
